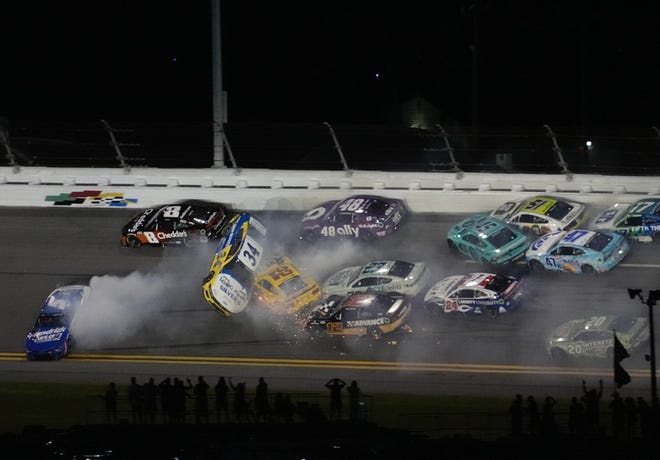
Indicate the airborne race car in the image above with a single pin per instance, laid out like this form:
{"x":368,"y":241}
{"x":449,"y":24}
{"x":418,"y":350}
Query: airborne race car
{"x":175,"y":224}
{"x":364,"y":217}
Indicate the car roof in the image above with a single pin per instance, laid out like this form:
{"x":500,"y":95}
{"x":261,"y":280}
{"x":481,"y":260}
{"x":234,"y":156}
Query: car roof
{"x":569,"y":238}
{"x":65,"y":298}
{"x":475,"y":280}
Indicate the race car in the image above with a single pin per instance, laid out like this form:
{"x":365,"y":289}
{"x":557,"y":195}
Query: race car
{"x":487,"y":239}
{"x":578,"y":251}
{"x":475,"y":294}
{"x":228,"y":286}
{"x":283,"y":289}
{"x":542,"y":214}
{"x":175,"y":224}
{"x":50,"y":337}
{"x":363,"y":314}
{"x":380,"y":275}
{"x":639,"y":221}
{"x":593,"y":337}
{"x":363,"y":217}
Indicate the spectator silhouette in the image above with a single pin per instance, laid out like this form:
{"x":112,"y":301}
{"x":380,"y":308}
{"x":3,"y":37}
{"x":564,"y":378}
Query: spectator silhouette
{"x":288,"y":409}
{"x":110,"y":398}
{"x":262,"y":405}
{"x":618,"y":412}
{"x":645,"y":418}
{"x":201,"y":400}
{"x":221,"y":400}
{"x":335,"y":386}
{"x":533,"y":416}
{"x":165,"y":389}
{"x":135,"y":400}
{"x":150,"y":400}
{"x":631,"y":417}
{"x":575,"y":418}
{"x":179,"y":398}
{"x":591,"y":399}
{"x":548,"y":422}
{"x":516,"y":416}
{"x":354,"y":401}
{"x":241,"y":411}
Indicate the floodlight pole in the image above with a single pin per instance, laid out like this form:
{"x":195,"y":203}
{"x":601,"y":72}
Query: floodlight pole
{"x":650,"y":302}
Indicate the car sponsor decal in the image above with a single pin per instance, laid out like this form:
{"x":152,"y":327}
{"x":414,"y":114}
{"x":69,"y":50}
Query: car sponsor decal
{"x":157,"y":237}
{"x":94,"y":198}
{"x":346,"y":230}
{"x":352,"y":205}
{"x":227,"y":289}
{"x":140,"y":221}
{"x":314,"y":214}
{"x":50,"y":335}
{"x":250,"y":253}
{"x":607,"y":216}
{"x":367,"y":322}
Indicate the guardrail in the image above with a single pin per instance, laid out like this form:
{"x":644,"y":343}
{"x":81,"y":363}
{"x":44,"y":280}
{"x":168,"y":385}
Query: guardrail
{"x":264,"y":189}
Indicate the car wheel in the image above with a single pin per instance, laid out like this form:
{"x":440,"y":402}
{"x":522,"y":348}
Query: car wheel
{"x":492,"y":312}
{"x":134,"y":242}
{"x":655,"y":237}
{"x":315,"y":333}
{"x":309,"y":236}
{"x":367,"y":236}
{"x":536,"y":230}
{"x":559,"y":355}
{"x":535,"y":265}
{"x":452,"y":247}
{"x":375,"y":333}
{"x":588,"y":269}
{"x":433,"y":308}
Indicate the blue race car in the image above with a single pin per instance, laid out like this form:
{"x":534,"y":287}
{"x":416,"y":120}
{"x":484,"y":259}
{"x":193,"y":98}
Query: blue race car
{"x":50,"y":337}
{"x":487,"y":239}
{"x":578,"y":251}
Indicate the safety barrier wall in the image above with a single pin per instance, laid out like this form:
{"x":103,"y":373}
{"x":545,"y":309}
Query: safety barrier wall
{"x":286,"y":190}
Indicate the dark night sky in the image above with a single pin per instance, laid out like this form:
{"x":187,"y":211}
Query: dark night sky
{"x":560,"y":62}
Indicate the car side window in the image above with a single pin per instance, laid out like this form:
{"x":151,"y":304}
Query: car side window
{"x":565,"y":251}
{"x":343,"y":218}
{"x":265,"y":284}
{"x":526,"y":219}
{"x":631,"y":221}
{"x":368,"y":281}
{"x":384,"y":280}
{"x":474,"y":240}
{"x":539,"y":220}
{"x":480,"y":294}
{"x":466,"y":293}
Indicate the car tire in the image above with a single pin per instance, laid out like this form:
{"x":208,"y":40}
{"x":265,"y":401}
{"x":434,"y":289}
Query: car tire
{"x":588,"y":269}
{"x":367,"y":236}
{"x":558,"y":355}
{"x":655,"y":237}
{"x":374,"y":333}
{"x":452,"y":248}
{"x":536,"y":230}
{"x":134,"y":242}
{"x":433,"y":308}
{"x":309,"y":236}
{"x":535,"y":265}
{"x":492,"y":312}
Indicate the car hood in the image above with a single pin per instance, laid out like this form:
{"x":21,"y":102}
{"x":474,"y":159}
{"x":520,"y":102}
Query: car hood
{"x":314,"y":216}
{"x":609,"y":216}
{"x":46,"y":338}
{"x":229,"y":293}
{"x":545,"y":243}
{"x":442,"y":287}
{"x":341,"y":278}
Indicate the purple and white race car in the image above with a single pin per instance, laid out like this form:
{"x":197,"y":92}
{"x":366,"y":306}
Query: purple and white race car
{"x":363,"y":217}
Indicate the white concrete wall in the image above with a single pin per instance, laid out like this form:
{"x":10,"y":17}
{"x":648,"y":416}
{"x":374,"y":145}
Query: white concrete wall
{"x":264,"y":189}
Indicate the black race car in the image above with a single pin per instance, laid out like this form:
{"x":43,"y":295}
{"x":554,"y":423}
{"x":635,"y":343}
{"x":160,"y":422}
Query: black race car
{"x":176,"y":224}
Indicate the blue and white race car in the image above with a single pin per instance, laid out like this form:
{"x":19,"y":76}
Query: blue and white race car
{"x":578,"y":251}
{"x":639,"y":221}
{"x":50,"y":337}
{"x":228,"y":285}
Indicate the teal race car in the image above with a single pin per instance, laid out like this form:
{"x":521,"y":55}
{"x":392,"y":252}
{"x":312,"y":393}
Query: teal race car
{"x":578,"y":251}
{"x":487,"y":239}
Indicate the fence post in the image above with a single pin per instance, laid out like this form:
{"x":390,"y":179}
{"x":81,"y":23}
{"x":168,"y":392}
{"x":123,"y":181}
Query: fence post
{"x":9,"y":155}
{"x":453,"y":163}
{"x":113,"y":141}
{"x":557,"y":150}
{"x":337,"y":146}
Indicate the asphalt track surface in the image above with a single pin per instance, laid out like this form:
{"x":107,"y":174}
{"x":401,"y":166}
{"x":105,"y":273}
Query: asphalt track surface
{"x":147,"y":317}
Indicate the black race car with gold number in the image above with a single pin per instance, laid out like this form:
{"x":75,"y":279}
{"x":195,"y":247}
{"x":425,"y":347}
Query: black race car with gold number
{"x":185,"y":224}
{"x":361,"y":314}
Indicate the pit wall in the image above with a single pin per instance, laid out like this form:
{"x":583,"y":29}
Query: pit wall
{"x":265,"y":189}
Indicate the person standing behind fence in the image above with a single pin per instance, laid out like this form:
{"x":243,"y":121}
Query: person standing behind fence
{"x":150,"y":399}
{"x":575,"y":418}
{"x":110,"y":398}
{"x":221,"y":400}
{"x":591,"y":399}
{"x":516,"y":417}
{"x":165,"y":391}
{"x":135,"y":400}
{"x":335,"y":386}
{"x":262,"y":405}
{"x":240,"y":401}
{"x":201,"y":401}
{"x":354,"y":401}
